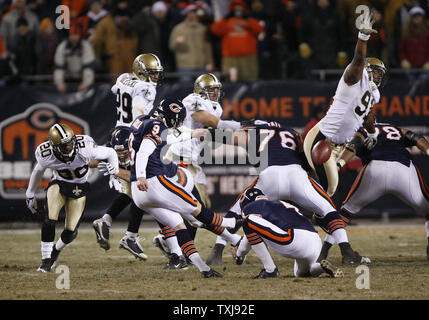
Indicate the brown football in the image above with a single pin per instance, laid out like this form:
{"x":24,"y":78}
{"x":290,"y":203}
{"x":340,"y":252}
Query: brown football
{"x":321,"y":152}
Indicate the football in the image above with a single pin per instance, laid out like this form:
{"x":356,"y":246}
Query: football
{"x":321,"y":152}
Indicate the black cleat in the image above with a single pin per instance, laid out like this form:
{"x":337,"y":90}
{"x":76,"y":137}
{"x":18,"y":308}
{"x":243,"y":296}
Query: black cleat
{"x":331,"y":270}
{"x":211,"y":274}
{"x":264,"y":274}
{"x":353,"y":257}
{"x":176,"y":263}
{"x":161,"y":244}
{"x":102,"y":232}
{"x":215,"y":257}
{"x":54,"y":257}
{"x":133,"y":246}
{"x":324,"y":251}
{"x":45,"y":266}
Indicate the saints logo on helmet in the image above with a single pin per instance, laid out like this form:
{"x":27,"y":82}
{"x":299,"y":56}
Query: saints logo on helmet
{"x":208,"y":86}
{"x":376,"y":71}
{"x":63,"y":141}
{"x":147,"y":67}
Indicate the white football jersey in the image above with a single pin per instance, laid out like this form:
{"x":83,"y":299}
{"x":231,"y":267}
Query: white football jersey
{"x":350,"y":106}
{"x":133,"y":98}
{"x":76,"y":171}
{"x":193,"y":103}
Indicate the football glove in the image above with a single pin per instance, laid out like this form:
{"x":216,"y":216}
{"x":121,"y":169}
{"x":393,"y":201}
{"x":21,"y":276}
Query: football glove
{"x":366,"y":22}
{"x":107,"y":169}
{"x":31,"y":204}
{"x":114,"y":183}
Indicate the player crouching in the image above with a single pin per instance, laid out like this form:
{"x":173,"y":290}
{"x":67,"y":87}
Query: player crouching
{"x":280,"y":226}
{"x":69,"y":157}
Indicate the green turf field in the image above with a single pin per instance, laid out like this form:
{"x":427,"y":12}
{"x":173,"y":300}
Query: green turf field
{"x":399,"y":269}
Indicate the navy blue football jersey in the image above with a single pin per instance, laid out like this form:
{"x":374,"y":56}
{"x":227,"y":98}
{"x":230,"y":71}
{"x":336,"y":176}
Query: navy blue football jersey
{"x":145,"y":127}
{"x":280,"y":141}
{"x":390,"y":145}
{"x":279,"y":213}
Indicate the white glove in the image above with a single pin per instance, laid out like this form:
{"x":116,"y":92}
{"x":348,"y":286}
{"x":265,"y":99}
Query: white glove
{"x":31,"y":204}
{"x":371,"y":140}
{"x":114,"y":183}
{"x":365,"y":23}
{"x":107,"y":169}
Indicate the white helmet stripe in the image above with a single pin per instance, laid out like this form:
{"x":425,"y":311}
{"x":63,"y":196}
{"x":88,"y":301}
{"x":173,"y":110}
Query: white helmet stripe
{"x":60,"y":129}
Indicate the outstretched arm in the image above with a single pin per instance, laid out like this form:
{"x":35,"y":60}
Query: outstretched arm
{"x":353,"y":73}
{"x":414,"y":139}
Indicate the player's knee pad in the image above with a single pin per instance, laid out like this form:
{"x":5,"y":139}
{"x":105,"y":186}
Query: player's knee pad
{"x":68,"y":236}
{"x":331,"y":222}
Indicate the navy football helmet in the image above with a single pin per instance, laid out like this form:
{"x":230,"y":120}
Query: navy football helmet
{"x":119,"y":142}
{"x":172,"y":111}
{"x":249,"y":196}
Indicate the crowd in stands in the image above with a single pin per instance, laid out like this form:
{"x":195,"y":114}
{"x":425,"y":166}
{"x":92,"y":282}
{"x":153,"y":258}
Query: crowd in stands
{"x":244,"y":39}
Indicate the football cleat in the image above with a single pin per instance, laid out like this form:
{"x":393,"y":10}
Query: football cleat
{"x":54,"y":256}
{"x":353,"y":257}
{"x":176,"y":263}
{"x":102,"y":232}
{"x":161,"y":243}
{"x":45,"y":266}
{"x":331,"y":270}
{"x":133,"y":246}
{"x":264,"y":274}
{"x":211,"y":274}
{"x":215,"y":257}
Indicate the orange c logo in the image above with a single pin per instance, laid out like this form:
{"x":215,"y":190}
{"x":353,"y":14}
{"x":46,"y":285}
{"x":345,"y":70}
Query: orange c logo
{"x":175,"y":107}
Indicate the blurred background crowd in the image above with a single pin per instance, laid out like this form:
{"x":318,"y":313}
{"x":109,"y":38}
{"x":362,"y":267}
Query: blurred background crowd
{"x":245,"y":40}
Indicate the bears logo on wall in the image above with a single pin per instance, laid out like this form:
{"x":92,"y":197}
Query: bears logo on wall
{"x":19,"y":137}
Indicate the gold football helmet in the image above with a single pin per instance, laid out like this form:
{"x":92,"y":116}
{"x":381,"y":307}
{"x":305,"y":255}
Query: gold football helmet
{"x":63,"y":141}
{"x":208,"y":86}
{"x":147,"y":67}
{"x":376,"y":71}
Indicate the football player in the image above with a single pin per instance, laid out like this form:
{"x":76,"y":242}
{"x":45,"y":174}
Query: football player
{"x":284,"y":178}
{"x":280,"y":226}
{"x":152,"y":192}
{"x":135,"y":93}
{"x":203,"y":110}
{"x":357,"y":92}
{"x":68,"y":155}
{"x":390,"y":164}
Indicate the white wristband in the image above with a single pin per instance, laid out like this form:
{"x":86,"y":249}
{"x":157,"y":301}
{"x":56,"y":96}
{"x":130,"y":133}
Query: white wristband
{"x":363,"y":36}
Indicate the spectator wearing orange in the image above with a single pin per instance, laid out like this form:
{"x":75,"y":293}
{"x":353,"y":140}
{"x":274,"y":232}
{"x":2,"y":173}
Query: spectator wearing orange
{"x":8,"y":28}
{"x":414,"y":44}
{"x":76,"y":7}
{"x":115,"y":42}
{"x":188,"y":41}
{"x":239,"y":41}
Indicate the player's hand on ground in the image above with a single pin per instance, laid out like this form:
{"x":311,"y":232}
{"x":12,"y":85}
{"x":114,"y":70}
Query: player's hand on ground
{"x":31,"y":204}
{"x":142,"y":184}
{"x":199,"y":133}
{"x":366,"y":24}
{"x":107,"y":169}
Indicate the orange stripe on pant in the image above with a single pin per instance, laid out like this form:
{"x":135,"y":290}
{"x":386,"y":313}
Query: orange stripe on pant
{"x":357,"y":182}
{"x":177,"y":190}
{"x":269,"y":235}
{"x":422,"y":184}
{"x":322,"y":192}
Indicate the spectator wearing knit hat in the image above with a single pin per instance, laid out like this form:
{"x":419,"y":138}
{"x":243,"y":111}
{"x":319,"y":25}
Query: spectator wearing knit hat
{"x":414,"y":44}
{"x":239,"y":41}
{"x":189,"y":42}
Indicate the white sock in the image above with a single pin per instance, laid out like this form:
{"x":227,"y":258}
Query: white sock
{"x":60,"y":244}
{"x":46,"y":248}
{"x":228,"y":222}
{"x":131,"y":235}
{"x":340,"y":235}
{"x":108,"y":219}
{"x":198,"y":262}
{"x":221,"y":241}
{"x":231,"y":238}
{"x":330,"y":239}
{"x":174,"y":246}
{"x":263,"y":254}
